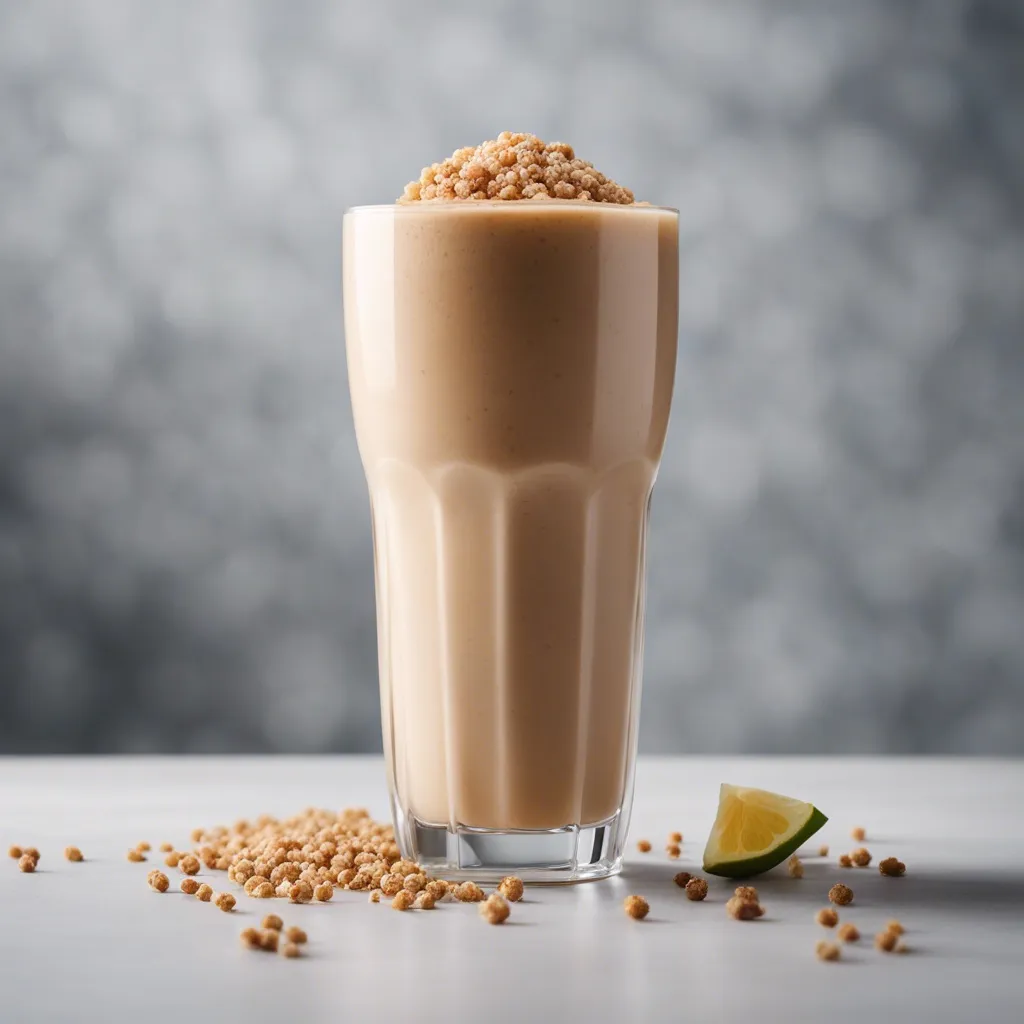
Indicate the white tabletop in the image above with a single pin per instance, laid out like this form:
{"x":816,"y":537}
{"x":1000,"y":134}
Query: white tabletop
{"x":90,"y":941}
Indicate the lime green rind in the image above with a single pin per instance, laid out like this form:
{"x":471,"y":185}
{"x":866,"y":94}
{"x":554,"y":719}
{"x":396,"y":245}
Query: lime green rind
{"x":749,"y":866}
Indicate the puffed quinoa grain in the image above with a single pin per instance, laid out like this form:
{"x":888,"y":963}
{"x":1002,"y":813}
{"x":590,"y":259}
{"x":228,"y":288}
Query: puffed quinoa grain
{"x":848,"y":932}
{"x":643,"y":846}
{"x":31,"y":851}
{"x":886,"y":941}
{"x":189,"y":864}
{"x":251,"y":937}
{"x":144,"y":847}
{"x":204,"y":893}
{"x":675,"y":837}
{"x":895,"y":927}
{"x":841,"y":894}
{"x":414,"y":882}
{"x":290,"y":950}
{"x":403,"y":900}
{"x":295,"y":934}
{"x":636,"y":907}
{"x":494,"y":909}
{"x":515,"y":166}
{"x":166,"y":847}
{"x":681,"y":878}
{"x":225,"y":901}
{"x":827,"y":917}
{"x":390,"y":884}
{"x":423,"y":901}
{"x":189,"y":886}
{"x":73,"y":853}
{"x":844,"y":861}
{"x":173,"y":859}
{"x":265,"y":891}
{"x":439,"y":889}
{"x":15,"y":852}
{"x":375,"y":895}
{"x":748,"y":893}
{"x":823,"y":850}
{"x":858,"y":834}
{"x":827,"y":950}
{"x":269,"y":939}
{"x":696,"y":889}
{"x":743,"y":910}
{"x":469,"y":892}
{"x":892,"y":867}
{"x":272,"y":921}
{"x":795,"y":867}
{"x":674,"y":851}
{"x":300,"y":892}
{"x":27,"y":863}
{"x":511,"y":887}
{"x":861,"y":858}
{"x":136,"y":856}
{"x":159,"y":881}
{"x":323,"y":893}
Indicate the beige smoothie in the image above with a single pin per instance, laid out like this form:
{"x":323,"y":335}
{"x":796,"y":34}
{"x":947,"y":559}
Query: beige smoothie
{"x":511,"y":367}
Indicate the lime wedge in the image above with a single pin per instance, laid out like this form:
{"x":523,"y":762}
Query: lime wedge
{"x":755,"y":830}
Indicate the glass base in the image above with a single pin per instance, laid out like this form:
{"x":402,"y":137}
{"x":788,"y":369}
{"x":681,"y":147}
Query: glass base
{"x":575,"y":853}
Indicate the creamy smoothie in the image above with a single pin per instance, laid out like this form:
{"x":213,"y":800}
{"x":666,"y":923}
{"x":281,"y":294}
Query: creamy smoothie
{"x":511,"y":367}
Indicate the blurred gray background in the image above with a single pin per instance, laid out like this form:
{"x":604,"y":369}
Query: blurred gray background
{"x":837,"y":556}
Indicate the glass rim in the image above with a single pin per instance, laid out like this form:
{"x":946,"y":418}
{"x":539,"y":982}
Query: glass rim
{"x":492,"y":204}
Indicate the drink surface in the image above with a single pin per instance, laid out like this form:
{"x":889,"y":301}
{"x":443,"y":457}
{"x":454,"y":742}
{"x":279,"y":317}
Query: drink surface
{"x":511,"y":370}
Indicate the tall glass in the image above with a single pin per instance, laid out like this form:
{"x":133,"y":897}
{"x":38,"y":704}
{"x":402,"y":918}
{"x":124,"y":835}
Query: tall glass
{"x":511,"y":368}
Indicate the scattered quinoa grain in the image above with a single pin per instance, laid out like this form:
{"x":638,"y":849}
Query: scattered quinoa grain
{"x":189,"y":886}
{"x":251,"y":937}
{"x":144,"y":847}
{"x":158,"y":881}
{"x":892,"y":867}
{"x":643,"y":845}
{"x":511,"y":887}
{"x":204,"y":893}
{"x":748,"y":893}
{"x":403,"y":900}
{"x":823,"y":850}
{"x":674,"y":851}
{"x":265,"y":891}
{"x":273,"y":922}
{"x":495,"y":909}
{"x":827,"y":917}
{"x":895,"y":927}
{"x":844,"y":861}
{"x":27,"y":863}
{"x":675,"y":837}
{"x":166,"y":847}
{"x":15,"y":852}
{"x":861,"y":858}
{"x":31,"y":851}
{"x":743,"y":910}
{"x":469,"y":892}
{"x":375,"y":895}
{"x":136,"y":856}
{"x":323,"y":893}
{"x":827,"y":950}
{"x":439,"y":889}
{"x":848,"y":932}
{"x":858,"y":834}
{"x":300,"y":892}
{"x":886,"y":941}
{"x":636,"y":907}
{"x":225,"y":901}
{"x":424,"y":901}
{"x":296,"y":934}
{"x":414,"y":882}
{"x":269,"y":939}
{"x":173,"y":859}
{"x":681,"y":878}
{"x":290,"y":950}
{"x":696,"y":889}
{"x":795,"y":867}
{"x":73,"y":853}
{"x":841,"y":894}
{"x":189,"y":864}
